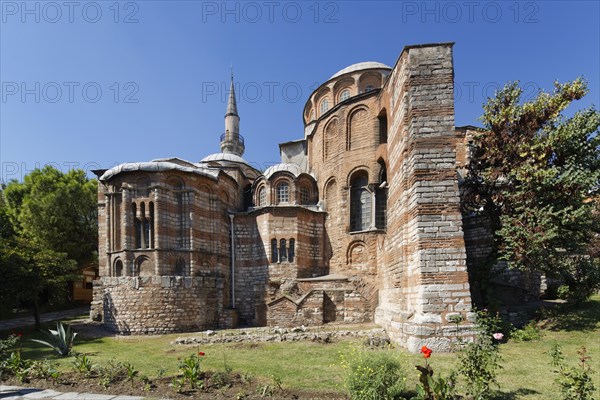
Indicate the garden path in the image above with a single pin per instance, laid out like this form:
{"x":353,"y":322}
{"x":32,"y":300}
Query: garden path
{"x":22,"y":322}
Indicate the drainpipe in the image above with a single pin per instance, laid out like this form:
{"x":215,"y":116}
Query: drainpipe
{"x":231,"y":216}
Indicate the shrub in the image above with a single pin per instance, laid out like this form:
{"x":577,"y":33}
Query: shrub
{"x":580,"y":277}
{"x":61,"y":341}
{"x":6,"y":349}
{"x":479,"y":360}
{"x":575,"y":382}
{"x":530,"y":332}
{"x":373,"y":375}
{"x":45,"y":370}
{"x":17,"y":366}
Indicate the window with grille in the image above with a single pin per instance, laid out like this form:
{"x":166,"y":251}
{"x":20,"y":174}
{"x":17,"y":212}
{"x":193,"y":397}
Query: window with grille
{"x":283,"y":193}
{"x":381,"y":198}
{"x":262,"y":197}
{"x":304,"y":195}
{"x":283,"y":251}
{"x":324,"y":106}
{"x":274,"y":251}
{"x":292,"y":250}
{"x":360,"y":204}
{"x":345,"y":95}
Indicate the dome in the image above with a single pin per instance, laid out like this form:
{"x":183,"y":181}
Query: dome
{"x":157,"y":166}
{"x":293,"y":169}
{"x":360,"y":66}
{"x":224,"y":157}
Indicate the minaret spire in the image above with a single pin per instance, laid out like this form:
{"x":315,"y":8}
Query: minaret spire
{"x":231,"y":104}
{"x":231,"y":141}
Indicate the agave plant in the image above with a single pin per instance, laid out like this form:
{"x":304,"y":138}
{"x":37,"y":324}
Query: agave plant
{"x":60,"y":340}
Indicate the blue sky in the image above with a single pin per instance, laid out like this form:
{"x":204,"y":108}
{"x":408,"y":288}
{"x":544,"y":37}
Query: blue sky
{"x":93,"y":84}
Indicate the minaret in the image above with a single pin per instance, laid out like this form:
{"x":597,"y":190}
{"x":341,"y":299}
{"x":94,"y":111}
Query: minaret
{"x":231,"y":141}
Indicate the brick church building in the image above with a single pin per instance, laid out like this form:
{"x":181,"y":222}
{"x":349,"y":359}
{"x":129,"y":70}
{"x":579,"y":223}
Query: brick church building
{"x":359,"y":222}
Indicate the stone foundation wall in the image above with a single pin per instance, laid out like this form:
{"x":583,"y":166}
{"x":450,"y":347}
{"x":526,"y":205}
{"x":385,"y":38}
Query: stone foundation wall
{"x":160,"y":304}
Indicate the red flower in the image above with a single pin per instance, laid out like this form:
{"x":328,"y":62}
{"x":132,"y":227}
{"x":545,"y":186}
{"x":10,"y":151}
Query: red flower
{"x":426,"y":351}
{"x":201,"y":353}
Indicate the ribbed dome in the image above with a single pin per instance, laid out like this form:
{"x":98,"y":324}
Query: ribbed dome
{"x":359,"y":66}
{"x":223,"y":157}
{"x":294,"y":169}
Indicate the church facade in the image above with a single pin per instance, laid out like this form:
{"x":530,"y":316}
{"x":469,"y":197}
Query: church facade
{"x":360,"y":222}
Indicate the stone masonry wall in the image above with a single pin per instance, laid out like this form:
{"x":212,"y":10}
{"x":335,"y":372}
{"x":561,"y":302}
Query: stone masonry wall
{"x":425,"y":283}
{"x":155,"y":305}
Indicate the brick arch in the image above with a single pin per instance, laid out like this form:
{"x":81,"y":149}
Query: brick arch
{"x":357,"y":253}
{"x":372,"y":78}
{"x":382,"y":125}
{"x":309,"y":107}
{"x":278,"y":179}
{"x":324,"y":93}
{"x":257,"y":191}
{"x":330,"y":133}
{"x":143,"y":266}
{"x":329,"y":192}
{"x":306,"y":181}
{"x":356,"y":170}
{"x":119,"y":268}
{"x":205,"y":188}
{"x":345,"y":83}
{"x":222,"y":197}
{"x":175,"y":182}
{"x":358,"y":128}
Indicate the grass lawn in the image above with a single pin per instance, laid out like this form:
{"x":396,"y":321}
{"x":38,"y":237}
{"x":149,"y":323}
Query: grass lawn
{"x":526,"y":372}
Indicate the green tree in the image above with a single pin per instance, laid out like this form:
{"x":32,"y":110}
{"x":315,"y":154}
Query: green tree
{"x":49,"y":228}
{"x":534,"y":175}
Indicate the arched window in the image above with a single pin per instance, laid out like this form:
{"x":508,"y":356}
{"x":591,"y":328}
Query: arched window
{"x":282,"y":251}
{"x":368,"y":88}
{"x":381,"y":198}
{"x":283,"y":193}
{"x":304,"y":195}
{"x":119,"y":268}
{"x":183,"y":234}
{"x":151,"y":223}
{"x":330,"y":196}
{"x":274,"y":252}
{"x":262,"y":197}
{"x":292,"y":250}
{"x":180,"y":267}
{"x":383,"y":127}
{"x":360,"y":203}
{"x":137,"y":227}
{"x":324,"y":106}
{"x":345,"y":95}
